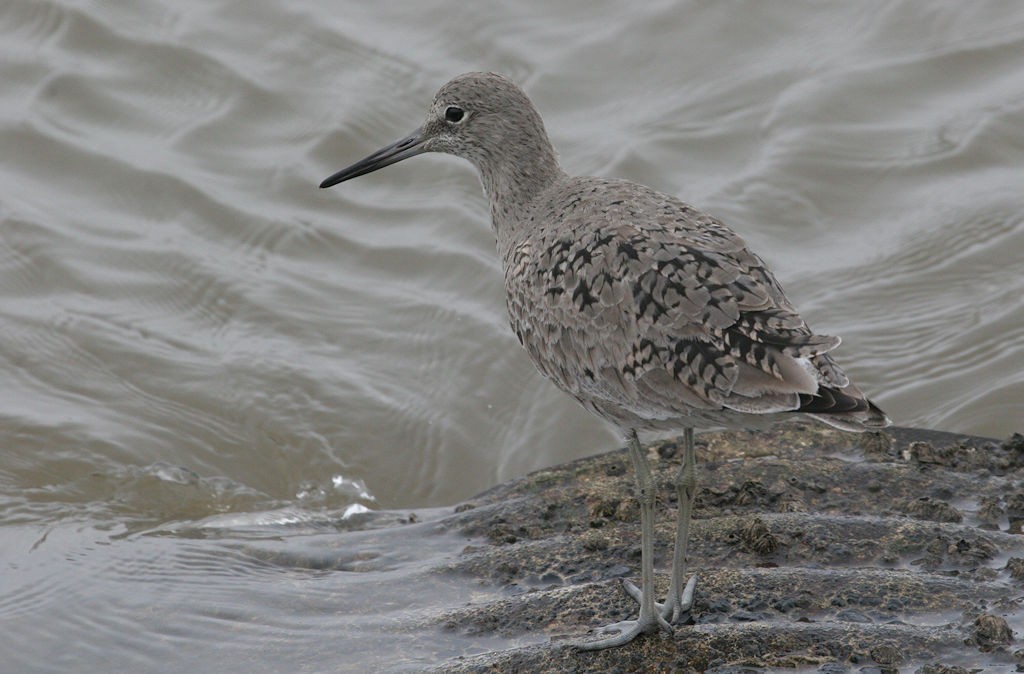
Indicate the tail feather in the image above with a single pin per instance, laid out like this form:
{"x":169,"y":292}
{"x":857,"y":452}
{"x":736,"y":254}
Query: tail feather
{"x":845,"y":408}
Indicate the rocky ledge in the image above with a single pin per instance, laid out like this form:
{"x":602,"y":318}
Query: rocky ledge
{"x":816,"y":551}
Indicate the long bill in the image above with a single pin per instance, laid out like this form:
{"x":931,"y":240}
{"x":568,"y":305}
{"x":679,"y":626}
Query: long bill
{"x":410,"y":146}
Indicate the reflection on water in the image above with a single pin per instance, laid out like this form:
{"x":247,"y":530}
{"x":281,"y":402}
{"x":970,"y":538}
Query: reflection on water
{"x":190,"y":330}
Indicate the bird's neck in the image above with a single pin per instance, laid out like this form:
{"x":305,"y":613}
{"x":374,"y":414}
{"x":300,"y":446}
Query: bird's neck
{"x":514,"y":182}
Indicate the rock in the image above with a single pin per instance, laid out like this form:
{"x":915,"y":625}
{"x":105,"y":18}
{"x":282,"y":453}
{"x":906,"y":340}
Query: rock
{"x":1015,"y":565}
{"x":814,"y":550}
{"x":991,"y":631}
{"x":935,"y":510}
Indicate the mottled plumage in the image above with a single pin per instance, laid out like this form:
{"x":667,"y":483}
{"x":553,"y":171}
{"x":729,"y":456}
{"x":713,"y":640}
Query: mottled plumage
{"x":656,"y":316}
{"x":649,"y":312}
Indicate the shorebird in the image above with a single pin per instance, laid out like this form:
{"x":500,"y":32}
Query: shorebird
{"x":650,"y":313}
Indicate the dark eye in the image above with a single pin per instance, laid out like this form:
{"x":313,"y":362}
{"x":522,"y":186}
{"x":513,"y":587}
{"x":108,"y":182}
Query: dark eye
{"x":454,"y":114}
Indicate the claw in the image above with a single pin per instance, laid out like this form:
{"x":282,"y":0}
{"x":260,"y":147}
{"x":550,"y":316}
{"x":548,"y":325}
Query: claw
{"x":623,"y":632}
{"x":674,"y":611}
{"x":620,"y":633}
{"x":670,"y":610}
{"x":632,"y":590}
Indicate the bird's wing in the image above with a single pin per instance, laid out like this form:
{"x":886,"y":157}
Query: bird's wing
{"x":652,"y":304}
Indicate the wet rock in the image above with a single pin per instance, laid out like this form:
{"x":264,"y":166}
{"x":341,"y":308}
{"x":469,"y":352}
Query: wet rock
{"x":752,"y":492}
{"x":886,"y":654}
{"x":603,"y":509}
{"x":965,"y":552}
{"x":749,"y":616}
{"x":834,"y":668}
{"x":756,"y":537}
{"x":990,"y":511}
{"x":924,"y":452}
{"x":812,"y":549}
{"x":593,"y":542}
{"x":991,"y":631}
{"x":878,"y":446}
{"x":942,"y":669}
{"x":852,"y":616}
{"x":1015,"y":445}
{"x":1015,"y":512}
{"x":928,"y":508}
{"x":501,"y":532}
{"x":794,"y":602}
{"x":929,"y":450}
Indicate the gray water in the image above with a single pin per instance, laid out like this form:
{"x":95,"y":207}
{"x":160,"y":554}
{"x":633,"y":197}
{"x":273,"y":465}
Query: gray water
{"x":208,"y":365}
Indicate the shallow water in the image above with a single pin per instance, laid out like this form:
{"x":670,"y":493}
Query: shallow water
{"x":190,"y":329}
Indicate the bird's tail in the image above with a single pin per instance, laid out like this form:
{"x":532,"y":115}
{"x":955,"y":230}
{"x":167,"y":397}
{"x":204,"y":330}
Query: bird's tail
{"x":846,"y":408}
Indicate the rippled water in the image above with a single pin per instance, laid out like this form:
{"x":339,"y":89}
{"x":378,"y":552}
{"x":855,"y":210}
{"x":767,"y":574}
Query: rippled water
{"x":190,"y":329}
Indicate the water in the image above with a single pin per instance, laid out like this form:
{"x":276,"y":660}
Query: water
{"x":190,"y":330}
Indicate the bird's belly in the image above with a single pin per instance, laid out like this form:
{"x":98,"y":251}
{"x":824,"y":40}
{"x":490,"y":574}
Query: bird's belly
{"x":582,"y":365}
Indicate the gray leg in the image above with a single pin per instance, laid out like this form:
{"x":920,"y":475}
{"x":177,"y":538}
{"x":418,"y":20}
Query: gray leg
{"x":679,"y":599}
{"x":649,"y":619}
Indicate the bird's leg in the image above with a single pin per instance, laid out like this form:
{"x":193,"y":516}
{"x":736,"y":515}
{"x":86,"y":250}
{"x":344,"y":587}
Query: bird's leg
{"x":649,"y":619}
{"x":680,"y":599}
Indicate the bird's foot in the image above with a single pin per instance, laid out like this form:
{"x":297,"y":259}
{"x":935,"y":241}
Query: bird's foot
{"x":660,"y":617}
{"x":676,"y":606}
{"x":620,"y":633}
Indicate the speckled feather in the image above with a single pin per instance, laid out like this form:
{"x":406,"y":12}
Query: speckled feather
{"x":653,"y":314}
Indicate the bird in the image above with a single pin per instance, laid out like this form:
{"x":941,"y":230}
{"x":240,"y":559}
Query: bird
{"x":652,"y":314}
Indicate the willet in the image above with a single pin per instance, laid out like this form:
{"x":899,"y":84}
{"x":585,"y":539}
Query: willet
{"x":650,"y":313}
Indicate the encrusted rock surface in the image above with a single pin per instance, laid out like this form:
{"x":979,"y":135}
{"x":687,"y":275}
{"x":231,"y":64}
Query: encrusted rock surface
{"x":816,"y":550}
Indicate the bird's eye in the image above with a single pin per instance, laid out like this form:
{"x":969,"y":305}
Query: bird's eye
{"x":454,"y":114}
